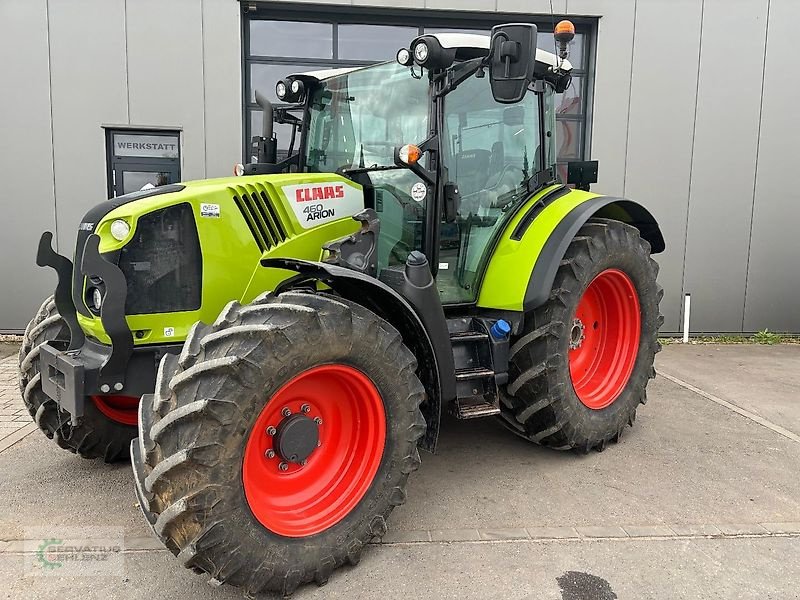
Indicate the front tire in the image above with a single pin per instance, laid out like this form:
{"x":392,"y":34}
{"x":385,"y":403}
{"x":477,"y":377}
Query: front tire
{"x":580,"y":368}
{"x":109,"y":422}
{"x":232,"y":498}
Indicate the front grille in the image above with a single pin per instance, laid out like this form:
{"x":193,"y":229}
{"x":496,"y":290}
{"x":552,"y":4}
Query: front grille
{"x":261,"y":217}
{"x":163,"y":264}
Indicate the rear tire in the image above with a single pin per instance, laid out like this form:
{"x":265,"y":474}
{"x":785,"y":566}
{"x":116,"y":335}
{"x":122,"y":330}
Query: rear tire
{"x":547,"y":400}
{"x":97,"y":436}
{"x":204,"y":477}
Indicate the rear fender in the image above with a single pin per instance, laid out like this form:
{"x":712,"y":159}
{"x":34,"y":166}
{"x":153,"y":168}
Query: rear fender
{"x":554,"y":249}
{"x":523,"y":265}
{"x":391,"y":306}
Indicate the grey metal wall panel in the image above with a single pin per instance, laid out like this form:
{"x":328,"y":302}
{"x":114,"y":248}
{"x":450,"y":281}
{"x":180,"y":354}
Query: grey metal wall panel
{"x":612,"y":87}
{"x":222,"y":86}
{"x":724,"y":159}
{"x":87,"y":61}
{"x":773,"y":279}
{"x":533,"y":7}
{"x":476,"y":5}
{"x":165,"y":73}
{"x":660,"y":130}
{"x":26,"y":167}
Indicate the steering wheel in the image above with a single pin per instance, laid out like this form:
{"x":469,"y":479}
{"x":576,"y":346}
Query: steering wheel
{"x":488,"y":197}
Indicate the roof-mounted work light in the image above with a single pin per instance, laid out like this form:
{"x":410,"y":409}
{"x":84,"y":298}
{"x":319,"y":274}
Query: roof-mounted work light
{"x":290,"y":90}
{"x":426,"y":51}
{"x":404,"y":57}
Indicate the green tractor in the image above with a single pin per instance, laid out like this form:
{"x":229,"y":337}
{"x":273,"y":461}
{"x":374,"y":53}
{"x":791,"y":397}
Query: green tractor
{"x":274,"y":348}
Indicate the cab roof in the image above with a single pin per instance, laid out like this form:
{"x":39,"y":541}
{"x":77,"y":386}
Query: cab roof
{"x":469,"y":45}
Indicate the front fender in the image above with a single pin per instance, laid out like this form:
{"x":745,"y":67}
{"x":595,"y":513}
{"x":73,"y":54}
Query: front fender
{"x":431,"y":352}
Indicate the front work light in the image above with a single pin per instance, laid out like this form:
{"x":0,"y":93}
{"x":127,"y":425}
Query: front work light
{"x":428,"y":52}
{"x":290,"y":90}
{"x":404,"y":57}
{"x":120,"y":229}
{"x":421,"y":53}
{"x":281,"y":90}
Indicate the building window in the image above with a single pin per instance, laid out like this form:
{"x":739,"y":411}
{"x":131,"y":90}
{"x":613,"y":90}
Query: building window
{"x":279,"y":42}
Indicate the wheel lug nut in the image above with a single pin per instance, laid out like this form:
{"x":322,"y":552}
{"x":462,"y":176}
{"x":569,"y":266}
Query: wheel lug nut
{"x":283,"y":466}
{"x":270,"y":430}
{"x":270,"y":453}
{"x":317,"y":420}
{"x":305,"y":408}
{"x":286,"y":412}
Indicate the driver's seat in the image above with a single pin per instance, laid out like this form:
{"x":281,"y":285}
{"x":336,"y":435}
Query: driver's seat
{"x":472,"y":170}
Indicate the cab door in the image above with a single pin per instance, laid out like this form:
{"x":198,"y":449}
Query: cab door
{"x":489,"y":150}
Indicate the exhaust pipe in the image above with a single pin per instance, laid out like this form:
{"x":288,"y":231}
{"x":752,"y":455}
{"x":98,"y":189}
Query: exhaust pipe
{"x":268,"y":144}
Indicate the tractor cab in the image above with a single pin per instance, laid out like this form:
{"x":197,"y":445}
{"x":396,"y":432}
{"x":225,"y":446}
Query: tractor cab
{"x":444,"y":157}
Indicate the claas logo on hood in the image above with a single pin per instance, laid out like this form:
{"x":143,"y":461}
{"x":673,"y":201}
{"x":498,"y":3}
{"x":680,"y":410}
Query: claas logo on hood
{"x":319,"y":192}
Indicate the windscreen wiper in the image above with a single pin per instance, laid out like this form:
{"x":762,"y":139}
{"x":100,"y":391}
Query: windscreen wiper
{"x":356,"y":170}
{"x":541,"y":179}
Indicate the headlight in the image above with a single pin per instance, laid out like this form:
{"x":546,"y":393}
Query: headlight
{"x":97,"y":298}
{"x":297,"y":86}
{"x":120,"y":229}
{"x":421,"y":52}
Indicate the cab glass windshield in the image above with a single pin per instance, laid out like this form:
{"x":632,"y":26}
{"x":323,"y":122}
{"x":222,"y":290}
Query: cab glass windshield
{"x":357,"y":119}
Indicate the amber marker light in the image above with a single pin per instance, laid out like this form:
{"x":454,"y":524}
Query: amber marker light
{"x":409,"y":154}
{"x":564,"y":33}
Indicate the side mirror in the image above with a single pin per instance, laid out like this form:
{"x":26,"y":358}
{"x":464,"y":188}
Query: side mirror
{"x":512,"y":61}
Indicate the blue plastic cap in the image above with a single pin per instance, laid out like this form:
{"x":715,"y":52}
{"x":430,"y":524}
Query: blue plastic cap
{"x":501,"y":329}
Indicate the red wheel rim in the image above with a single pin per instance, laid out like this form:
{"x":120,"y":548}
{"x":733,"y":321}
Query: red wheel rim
{"x":305,"y":499}
{"x":604,"y":339}
{"x":122,"y":409}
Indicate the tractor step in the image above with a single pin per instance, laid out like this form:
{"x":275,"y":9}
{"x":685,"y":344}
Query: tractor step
{"x":464,"y":409}
{"x":468,"y":336}
{"x":476,"y":384}
{"x":475,"y":373}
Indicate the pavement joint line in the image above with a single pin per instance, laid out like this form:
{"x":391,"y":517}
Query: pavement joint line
{"x":16,"y":436}
{"x":729,"y":405}
{"x":13,"y":547}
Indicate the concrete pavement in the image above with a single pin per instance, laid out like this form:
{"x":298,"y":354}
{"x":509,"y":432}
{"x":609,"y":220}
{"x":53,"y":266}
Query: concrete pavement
{"x":700,"y":499}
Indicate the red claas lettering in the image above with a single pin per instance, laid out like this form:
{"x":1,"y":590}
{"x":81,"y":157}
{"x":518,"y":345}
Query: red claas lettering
{"x":320,"y":192}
